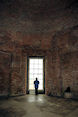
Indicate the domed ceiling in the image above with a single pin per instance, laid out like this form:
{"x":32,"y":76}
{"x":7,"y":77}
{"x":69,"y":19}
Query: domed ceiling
{"x":38,"y":16}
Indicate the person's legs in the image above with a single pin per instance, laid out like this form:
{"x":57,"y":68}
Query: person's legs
{"x":36,"y":91}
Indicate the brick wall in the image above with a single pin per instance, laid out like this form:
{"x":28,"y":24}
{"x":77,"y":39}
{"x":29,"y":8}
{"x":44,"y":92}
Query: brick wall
{"x":61,"y":64}
{"x":32,"y":29}
{"x":5,"y":63}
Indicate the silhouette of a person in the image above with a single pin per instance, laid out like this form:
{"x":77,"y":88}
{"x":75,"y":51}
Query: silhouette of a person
{"x":68,"y":89}
{"x":36,"y":83}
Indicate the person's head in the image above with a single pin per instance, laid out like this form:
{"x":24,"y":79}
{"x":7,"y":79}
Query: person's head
{"x":36,"y":78}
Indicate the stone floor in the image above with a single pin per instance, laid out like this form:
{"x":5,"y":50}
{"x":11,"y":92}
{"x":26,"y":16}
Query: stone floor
{"x":38,"y":106}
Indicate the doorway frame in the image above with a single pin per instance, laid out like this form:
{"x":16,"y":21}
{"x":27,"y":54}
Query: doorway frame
{"x":27,"y":84}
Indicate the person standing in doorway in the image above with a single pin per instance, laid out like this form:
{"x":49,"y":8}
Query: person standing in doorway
{"x":36,"y":83}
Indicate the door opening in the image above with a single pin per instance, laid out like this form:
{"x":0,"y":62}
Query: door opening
{"x":36,"y":70}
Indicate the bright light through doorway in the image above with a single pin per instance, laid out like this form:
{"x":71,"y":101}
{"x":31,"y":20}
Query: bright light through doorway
{"x":35,"y":70}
